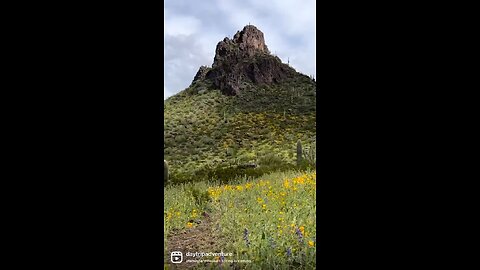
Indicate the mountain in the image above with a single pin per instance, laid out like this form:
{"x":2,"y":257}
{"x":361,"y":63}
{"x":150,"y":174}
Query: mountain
{"x":247,"y":108}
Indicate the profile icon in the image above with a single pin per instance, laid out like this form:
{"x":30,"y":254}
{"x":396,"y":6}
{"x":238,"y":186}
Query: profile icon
{"x":176,"y":257}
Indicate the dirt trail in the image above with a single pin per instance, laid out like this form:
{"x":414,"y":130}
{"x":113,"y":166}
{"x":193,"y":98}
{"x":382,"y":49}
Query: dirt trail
{"x":203,"y":237}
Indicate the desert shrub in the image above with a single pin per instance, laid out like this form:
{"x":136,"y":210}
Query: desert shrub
{"x":247,"y":157}
{"x":270,"y":159}
{"x":180,"y":139}
{"x":230,"y":151}
{"x":201,"y":197}
{"x":206,"y":140}
{"x":227,"y":174}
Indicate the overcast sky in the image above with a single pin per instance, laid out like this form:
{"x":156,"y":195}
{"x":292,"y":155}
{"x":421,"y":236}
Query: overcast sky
{"x":193,"y":28}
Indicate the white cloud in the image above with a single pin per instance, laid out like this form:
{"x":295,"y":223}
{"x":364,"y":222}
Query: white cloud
{"x":181,"y":25}
{"x":193,"y":29}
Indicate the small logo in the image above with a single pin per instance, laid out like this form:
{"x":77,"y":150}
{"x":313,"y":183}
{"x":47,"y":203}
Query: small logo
{"x":176,"y":257}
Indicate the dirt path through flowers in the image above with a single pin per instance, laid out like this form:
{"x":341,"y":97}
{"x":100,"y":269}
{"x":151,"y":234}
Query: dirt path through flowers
{"x":203,"y":237}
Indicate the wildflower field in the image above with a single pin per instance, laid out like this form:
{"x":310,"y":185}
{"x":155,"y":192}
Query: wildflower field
{"x":268,"y":221}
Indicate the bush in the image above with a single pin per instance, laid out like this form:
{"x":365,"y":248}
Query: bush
{"x":201,"y":197}
{"x":270,"y":160}
{"x":227,"y":174}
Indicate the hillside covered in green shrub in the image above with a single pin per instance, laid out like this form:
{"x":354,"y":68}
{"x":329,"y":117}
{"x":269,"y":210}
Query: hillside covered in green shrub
{"x":249,"y":108}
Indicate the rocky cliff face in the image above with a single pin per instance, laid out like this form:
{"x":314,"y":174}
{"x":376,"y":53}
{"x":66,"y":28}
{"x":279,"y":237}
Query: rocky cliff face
{"x":244,"y":60}
{"x":245,"y":44}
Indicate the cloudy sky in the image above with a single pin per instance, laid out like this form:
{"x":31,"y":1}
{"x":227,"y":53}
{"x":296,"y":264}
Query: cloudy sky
{"x":193,"y":28}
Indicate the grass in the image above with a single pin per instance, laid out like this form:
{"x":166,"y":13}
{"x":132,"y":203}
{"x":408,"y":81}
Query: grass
{"x":269,"y":220}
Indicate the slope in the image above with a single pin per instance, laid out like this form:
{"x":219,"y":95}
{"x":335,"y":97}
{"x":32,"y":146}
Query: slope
{"x":248,"y":108}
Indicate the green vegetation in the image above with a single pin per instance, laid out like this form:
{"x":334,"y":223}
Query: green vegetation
{"x":241,"y":173}
{"x":268,"y":220}
{"x":210,"y":135}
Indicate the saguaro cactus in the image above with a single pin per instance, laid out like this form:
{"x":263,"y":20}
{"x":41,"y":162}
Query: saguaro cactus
{"x":225,"y":116}
{"x":299,"y":153}
{"x":165,"y":170}
{"x":309,"y":154}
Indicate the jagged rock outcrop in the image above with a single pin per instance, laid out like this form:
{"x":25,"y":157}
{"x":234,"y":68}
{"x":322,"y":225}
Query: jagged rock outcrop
{"x":244,"y":60}
{"x":202,"y":71}
{"x":245,"y":44}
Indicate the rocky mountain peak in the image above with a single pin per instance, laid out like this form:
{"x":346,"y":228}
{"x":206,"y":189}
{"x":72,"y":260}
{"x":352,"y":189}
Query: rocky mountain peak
{"x":251,"y":38}
{"x":246,"y":43}
{"x":244,"y":60}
